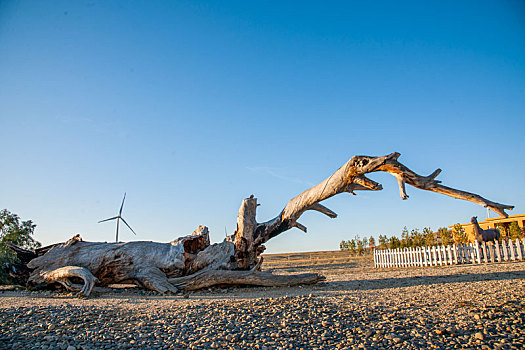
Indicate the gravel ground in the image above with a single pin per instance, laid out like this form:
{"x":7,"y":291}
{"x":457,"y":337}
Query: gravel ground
{"x":476,"y":307}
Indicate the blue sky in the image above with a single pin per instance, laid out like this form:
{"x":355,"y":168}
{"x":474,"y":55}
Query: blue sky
{"x":190,"y":107}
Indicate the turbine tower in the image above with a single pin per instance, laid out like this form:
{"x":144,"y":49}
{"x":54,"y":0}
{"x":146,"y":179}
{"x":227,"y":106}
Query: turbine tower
{"x":118,"y":218}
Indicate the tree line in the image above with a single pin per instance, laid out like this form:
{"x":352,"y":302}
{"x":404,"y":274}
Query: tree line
{"x":423,"y":238}
{"x":409,"y":239}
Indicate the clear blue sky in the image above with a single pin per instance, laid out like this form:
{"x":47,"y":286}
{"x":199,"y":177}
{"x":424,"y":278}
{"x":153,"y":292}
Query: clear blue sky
{"x":190,"y":107}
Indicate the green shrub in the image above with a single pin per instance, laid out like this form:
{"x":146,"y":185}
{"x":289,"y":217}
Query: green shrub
{"x":15,"y":231}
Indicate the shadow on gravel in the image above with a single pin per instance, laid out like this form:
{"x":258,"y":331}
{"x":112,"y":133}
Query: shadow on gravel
{"x":385,"y":283}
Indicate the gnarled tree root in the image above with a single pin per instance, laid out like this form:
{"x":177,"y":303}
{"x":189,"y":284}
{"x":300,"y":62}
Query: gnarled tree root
{"x":63,"y":274}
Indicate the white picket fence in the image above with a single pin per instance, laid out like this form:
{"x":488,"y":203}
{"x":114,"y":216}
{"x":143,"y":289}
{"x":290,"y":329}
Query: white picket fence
{"x":451,"y":255}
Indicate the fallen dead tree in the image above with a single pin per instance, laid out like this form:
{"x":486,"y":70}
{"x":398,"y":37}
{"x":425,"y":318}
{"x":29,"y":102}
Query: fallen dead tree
{"x":191,"y":262}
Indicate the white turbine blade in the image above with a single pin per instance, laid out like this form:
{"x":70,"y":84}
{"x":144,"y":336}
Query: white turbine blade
{"x":113,"y":218}
{"x":122,"y":205}
{"x":128,"y":226}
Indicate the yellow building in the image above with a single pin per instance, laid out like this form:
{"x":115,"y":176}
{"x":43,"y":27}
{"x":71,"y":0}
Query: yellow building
{"x":491,"y":223}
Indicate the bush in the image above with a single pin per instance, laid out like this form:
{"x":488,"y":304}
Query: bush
{"x":515,"y":231}
{"x":459,"y":235}
{"x":446,"y":236}
{"x":394,"y":243}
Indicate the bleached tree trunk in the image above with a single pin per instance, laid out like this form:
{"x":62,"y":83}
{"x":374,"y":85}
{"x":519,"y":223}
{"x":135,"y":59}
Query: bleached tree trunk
{"x":250,"y":235}
{"x":192,"y":263}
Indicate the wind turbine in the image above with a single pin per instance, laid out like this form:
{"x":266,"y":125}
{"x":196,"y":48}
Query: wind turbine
{"x":119,"y":217}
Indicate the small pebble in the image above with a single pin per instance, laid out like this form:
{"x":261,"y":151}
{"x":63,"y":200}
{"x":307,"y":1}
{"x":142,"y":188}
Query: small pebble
{"x":479,"y":336}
